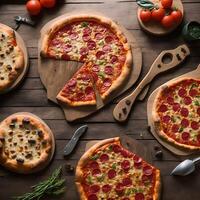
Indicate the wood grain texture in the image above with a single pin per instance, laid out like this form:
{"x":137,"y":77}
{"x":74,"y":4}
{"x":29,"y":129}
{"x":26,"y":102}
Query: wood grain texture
{"x":30,"y":96}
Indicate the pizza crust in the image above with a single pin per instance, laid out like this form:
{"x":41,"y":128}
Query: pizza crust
{"x":126,"y":68}
{"x":18,"y":66}
{"x":156,"y":119}
{"x":86,"y":157}
{"x":34,"y":164}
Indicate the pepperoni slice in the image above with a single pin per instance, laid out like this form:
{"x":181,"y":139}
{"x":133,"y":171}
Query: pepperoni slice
{"x":84,"y":51}
{"x":187,"y":100}
{"x":85,"y":77}
{"x":125,"y":165}
{"x":194,"y":125}
{"x":175,"y":128}
{"x":125,"y":153}
{"x":83,"y":57}
{"x":87,"y":30}
{"x":104,"y":158}
{"x":99,"y":36}
{"x":96,"y":172}
{"x":127,"y":182}
{"x":193,"y":93}
{"x":89,"y":90}
{"x":106,"y":188}
{"x":122,"y":58}
{"x":67,"y":48}
{"x":72,"y":83}
{"x":92,"y":197}
{"x":108,"y":39}
{"x":65,"y":57}
{"x":176,"y":107}
{"x":137,"y":159}
{"x":184,"y":112}
{"x":116,"y":148}
{"x":185,"y":136}
{"x":170,"y":100}
{"x":113,"y":59}
{"x":145,"y":178}
{"x":106,"y":48}
{"x":95,"y":68}
{"x":55,"y":42}
{"x":139,"y":196}
{"x":182,"y":92}
{"x":91,"y":45}
{"x":111,"y":173}
{"x":80,"y":96}
{"x":108,"y":70}
{"x":73,"y":36}
{"x":166,"y":118}
{"x":107,"y":82}
{"x":119,"y":188}
{"x":100,"y":54}
{"x":163,"y":108}
{"x":148,"y":170}
{"x":94,"y":165}
{"x":198,"y":111}
{"x":94,"y":188}
{"x":86,"y":37}
{"x":185,"y":122}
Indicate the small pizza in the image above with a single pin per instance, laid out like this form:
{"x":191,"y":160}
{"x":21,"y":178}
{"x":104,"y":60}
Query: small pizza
{"x":25,"y":143}
{"x":11,"y":58}
{"x":79,"y":90}
{"x":91,"y":39}
{"x":176,"y":113}
{"x":109,"y":171}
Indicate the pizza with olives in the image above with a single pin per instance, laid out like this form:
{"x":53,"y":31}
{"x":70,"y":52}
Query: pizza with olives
{"x":109,"y":171}
{"x":26,"y":143}
{"x":176,"y":113}
{"x":96,"y":41}
{"x":11,"y":58}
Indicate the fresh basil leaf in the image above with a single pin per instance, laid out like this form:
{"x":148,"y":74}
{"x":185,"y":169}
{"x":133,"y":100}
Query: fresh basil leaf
{"x":145,"y":4}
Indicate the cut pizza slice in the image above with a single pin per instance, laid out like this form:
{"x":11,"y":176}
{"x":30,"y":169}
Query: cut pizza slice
{"x":79,"y":89}
{"x":109,"y":171}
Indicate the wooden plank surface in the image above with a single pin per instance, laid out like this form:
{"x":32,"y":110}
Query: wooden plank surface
{"x":30,"y":96}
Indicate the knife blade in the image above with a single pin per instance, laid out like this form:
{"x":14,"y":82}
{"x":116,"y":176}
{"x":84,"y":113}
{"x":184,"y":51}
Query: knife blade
{"x":72,"y":143}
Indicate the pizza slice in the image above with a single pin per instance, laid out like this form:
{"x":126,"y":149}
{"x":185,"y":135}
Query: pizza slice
{"x":109,"y":171}
{"x":79,"y":89}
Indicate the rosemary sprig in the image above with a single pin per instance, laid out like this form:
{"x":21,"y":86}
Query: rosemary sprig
{"x":54,"y":185}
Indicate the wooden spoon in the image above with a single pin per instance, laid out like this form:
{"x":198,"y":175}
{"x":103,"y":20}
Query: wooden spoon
{"x":176,"y":56}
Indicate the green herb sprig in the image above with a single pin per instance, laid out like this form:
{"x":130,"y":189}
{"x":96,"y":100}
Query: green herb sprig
{"x":146,"y":4}
{"x":54,"y":185}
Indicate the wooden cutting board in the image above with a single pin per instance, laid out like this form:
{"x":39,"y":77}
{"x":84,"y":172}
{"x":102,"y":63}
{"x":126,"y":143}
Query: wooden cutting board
{"x":55,"y":73}
{"x":132,"y":145}
{"x":170,"y":147}
{"x":22,"y":45}
{"x":45,"y":164}
{"x":156,"y":28}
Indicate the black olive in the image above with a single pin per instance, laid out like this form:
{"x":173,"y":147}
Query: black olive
{"x":20,"y":160}
{"x":31,"y":141}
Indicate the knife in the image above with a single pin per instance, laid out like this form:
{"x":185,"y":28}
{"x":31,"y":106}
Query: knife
{"x":72,"y":143}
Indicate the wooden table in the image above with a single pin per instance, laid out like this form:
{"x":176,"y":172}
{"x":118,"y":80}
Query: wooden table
{"x":31,"y":97}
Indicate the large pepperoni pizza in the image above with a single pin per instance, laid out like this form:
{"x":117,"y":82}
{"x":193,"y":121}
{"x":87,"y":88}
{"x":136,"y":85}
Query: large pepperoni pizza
{"x":99,"y":43}
{"x":176,"y":113}
{"x":108,"y":171}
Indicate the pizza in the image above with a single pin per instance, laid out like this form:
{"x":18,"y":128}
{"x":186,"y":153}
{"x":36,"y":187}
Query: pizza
{"x":11,"y":58}
{"x":25,"y":143}
{"x":108,"y":171}
{"x":96,"y":41}
{"x":176,"y":113}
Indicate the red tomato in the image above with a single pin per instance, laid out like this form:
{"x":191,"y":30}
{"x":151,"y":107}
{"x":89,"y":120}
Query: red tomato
{"x":177,"y":16}
{"x":158,"y":14}
{"x":48,"y":3}
{"x":166,"y":3}
{"x":33,"y":7}
{"x":167,"y":21}
{"x":145,"y":15}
